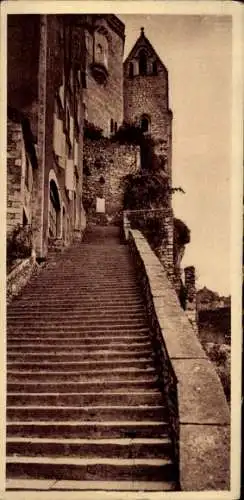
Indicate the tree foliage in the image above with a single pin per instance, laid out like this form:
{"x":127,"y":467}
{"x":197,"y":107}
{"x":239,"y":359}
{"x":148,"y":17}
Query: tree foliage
{"x":145,"y":190}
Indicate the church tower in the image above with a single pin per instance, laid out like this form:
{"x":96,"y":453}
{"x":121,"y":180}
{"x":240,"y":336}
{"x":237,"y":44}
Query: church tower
{"x":146,"y":100}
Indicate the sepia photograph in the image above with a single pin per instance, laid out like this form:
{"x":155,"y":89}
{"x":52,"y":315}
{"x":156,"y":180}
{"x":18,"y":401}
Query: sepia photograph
{"x":120,"y":301}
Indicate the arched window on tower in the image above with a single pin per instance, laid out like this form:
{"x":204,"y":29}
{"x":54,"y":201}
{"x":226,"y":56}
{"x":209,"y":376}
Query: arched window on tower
{"x":111,"y":126}
{"x":131,"y":70}
{"x":142,"y":63}
{"x":145,"y":123}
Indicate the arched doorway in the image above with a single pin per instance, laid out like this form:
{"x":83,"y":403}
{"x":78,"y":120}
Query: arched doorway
{"x":54,"y":211}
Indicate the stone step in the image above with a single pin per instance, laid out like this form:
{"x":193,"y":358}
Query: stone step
{"x":80,"y":309}
{"x":87,"y":448}
{"x":112,"y":375}
{"x":90,"y":468}
{"x":74,"y":330}
{"x":95,"y":386}
{"x":90,"y":320}
{"x":75,"y":312}
{"x":81,"y":333}
{"x":89,"y":277}
{"x":69,"y":302}
{"x":86,"y":487}
{"x":62,"y":284}
{"x":65,"y":357}
{"x":82,"y":282}
{"x":58,"y":347}
{"x":20,"y":340}
{"x":77,"y":292}
{"x":83,"y":398}
{"x":38,"y":366}
{"x":111,"y":429}
{"x":103,"y":398}
{"x":86,"y":413}
{"x":94,"y":316}
{"x":75,"y":297}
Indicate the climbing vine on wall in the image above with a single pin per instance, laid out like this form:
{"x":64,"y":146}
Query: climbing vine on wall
{"x":128,"y":133}
{"x":92,"y":132}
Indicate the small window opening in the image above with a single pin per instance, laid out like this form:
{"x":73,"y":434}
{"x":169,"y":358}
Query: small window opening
{"x":24,"y":219}
{"x":111,"y":125}
{"x":155,"y":68}
{"x":131,"y":70}
{"x":145,"y":124}
{"x":142,"y":63}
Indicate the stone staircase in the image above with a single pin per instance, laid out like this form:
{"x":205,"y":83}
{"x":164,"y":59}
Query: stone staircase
{"x":84,"y":408}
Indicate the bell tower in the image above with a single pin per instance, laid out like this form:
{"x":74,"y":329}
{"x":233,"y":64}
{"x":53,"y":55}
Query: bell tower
{"x":146,"y":100}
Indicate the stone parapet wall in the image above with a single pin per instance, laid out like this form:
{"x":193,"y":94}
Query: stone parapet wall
{"x":198,"y":411}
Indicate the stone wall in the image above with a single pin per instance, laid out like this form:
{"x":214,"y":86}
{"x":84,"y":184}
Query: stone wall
{"x":15,"y":147}
{"x":22,"y":68}
{"x":107,"y":163}
{"x":148,"y":95}
{"x":198,"y":411}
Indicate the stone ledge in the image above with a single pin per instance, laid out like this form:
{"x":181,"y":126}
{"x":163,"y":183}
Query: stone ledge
{"x":201,"y":399}
{"x":19,"y":276}
{"x":204,"y":434}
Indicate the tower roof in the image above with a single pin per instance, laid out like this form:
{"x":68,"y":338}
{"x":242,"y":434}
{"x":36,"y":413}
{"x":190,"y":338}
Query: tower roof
{"x":143,"y":43}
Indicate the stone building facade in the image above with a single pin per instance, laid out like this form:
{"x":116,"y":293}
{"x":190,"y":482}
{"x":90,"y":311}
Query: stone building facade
{"x":103,"y":96}
{"x":45,"y":86}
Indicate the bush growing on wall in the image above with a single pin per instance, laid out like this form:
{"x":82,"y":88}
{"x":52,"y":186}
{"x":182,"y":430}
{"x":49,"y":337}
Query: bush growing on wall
{"x":145,"y":190}
{"x":220,"y":355}
{"x":128,"y":133}
{"x":92,"y":132}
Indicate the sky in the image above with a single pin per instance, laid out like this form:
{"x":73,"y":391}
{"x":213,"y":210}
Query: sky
{"x":197,"y":51}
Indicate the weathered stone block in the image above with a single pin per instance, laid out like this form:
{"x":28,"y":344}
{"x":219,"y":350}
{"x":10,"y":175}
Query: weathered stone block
{"x":204,"y":457}
{"x":201,"y":396}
